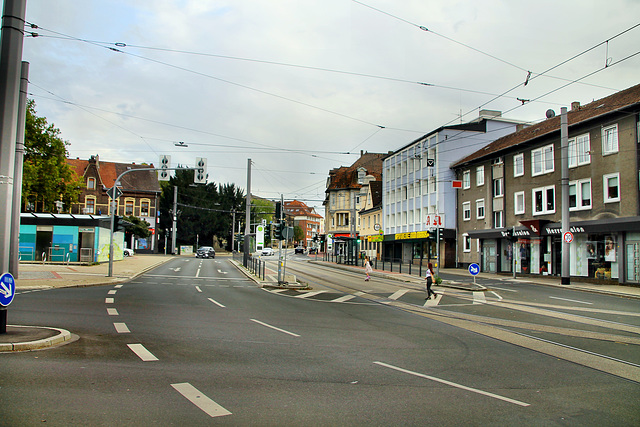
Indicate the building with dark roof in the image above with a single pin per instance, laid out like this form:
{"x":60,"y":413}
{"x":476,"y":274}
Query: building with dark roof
{"x":509,"y":209}
{"x":307,"y":219}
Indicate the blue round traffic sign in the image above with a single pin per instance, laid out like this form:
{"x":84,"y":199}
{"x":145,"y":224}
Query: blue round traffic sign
{"x":474,"y":269}
{"x":7,"y":289}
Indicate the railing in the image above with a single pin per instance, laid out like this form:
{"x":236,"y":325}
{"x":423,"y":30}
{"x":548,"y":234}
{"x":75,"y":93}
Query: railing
{"x":255,"y":265}
{"x":393,"y":265}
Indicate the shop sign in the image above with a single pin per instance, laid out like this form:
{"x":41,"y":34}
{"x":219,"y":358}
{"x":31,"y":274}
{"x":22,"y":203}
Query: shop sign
{"x":412,"y":235}
{"x":559,"y":230}
{"x":517,"y":233}
{"x":378,"y":238}
{"x":434,"y":220}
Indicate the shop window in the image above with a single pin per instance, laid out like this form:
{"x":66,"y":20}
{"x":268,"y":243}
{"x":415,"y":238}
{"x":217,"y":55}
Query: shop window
{"x":466,"y":243}
{"x":466,"y":211}
{"x":518,"y":165}
{"x":544,"y":200}
{"x":466,"y":179}
{"x":91,"y":183}
{"x":480,"y":176}
{"x":580,"y":195}
{"x":542,"y":160}
{"x":579,"y":151}
{"x":518,"y":203}
{"x":498,"y":187}
{"x":480,"y":208}
{"x":611,"y":185}
{"x":610,"y":140}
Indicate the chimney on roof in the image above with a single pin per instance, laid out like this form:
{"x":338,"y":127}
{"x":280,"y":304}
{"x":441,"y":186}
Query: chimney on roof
{"x":575,"y":105}
{"x":361,"y":153}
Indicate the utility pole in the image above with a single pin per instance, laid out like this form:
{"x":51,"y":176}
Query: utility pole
{"x":247,"y":224}
{"x":17,"y":177}
{"x":11,"y":41}
{"x":564,"y":160}
{"x":175,"y":220}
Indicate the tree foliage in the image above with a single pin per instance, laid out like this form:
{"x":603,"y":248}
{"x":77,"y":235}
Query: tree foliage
{"x":204,"y":210}
{"x":46,"y":176}
{"x":140,"y":227}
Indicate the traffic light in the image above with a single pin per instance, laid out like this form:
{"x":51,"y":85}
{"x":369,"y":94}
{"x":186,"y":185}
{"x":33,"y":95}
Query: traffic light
{"x":200,"y":174}
{"x":279,"y":230}
{"x":278,"y":211}
{"x":117,"y":223}
{"x":165,"y":162}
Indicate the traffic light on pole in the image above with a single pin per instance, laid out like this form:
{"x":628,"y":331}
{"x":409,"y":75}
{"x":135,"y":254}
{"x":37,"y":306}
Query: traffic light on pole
{"x":200,"y":174}
{"x":279,"y":230}
{"x":165,"y":162}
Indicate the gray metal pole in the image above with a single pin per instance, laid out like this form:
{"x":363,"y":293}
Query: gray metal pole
{"x":175,"y":220}
{"x":513,"y":250}
{"x":114,"y":207}
{"x":247,"y":224}
{"x":17,"y":176}
{"x":11,"y":41}
{"x":564,"y":159}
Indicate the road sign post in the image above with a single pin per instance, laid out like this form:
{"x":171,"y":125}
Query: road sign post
{"x":474,"y":270}
{"x":7,"y":292}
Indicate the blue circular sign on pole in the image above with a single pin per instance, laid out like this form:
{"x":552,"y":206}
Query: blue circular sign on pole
{"x":7,"y":289}
{"x":474,"y":269}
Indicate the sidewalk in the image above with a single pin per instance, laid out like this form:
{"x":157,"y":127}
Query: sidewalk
{"x":47,"y":276}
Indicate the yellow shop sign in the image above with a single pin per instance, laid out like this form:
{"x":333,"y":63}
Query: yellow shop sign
{"x":412,"y":235}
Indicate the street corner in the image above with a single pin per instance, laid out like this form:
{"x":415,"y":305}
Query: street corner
{"x":28,"y":338}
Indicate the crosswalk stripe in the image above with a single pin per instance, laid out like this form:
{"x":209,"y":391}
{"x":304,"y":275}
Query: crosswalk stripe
{"x":344,"y":298}
{"x":398,"y":294}
{"x":310,"y":294}
{"x":479,"y":298}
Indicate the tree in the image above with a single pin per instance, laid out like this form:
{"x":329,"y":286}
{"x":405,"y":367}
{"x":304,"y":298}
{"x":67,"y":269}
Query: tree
{"x":298,"y":234}
{"x":46,"y":177}
{"x":140,"y":227}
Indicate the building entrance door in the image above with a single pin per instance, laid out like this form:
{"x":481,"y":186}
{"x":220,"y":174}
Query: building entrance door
{"x":489,"y":256}
{"x":632,"y":263}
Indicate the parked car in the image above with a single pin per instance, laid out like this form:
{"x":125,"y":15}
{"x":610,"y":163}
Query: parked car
{"x":266,"y":251}
{"x":127,"y":252}
{"x":299,"y":250}
{"x":313,"y":251}
{"x":206,"y":252}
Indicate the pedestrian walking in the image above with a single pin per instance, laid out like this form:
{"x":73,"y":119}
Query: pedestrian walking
{"x":367,"y":268}
{"x":429,"y":276}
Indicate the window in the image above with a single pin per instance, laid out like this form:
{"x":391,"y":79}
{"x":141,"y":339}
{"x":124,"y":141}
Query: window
{"x":91,"y":183}
{"x":580,"y":195}
{"x":518,"y":165}
{"x":480,"y":209}
{"x":542,"y":160}
{"x":497,"y":161}
{"x":89,"y":205}
{"x":466,"y":211}
{"x":466,"y":179}
{"x":144,"y":208}
{"x":480,"y":176}
{"x":544,"y":200}
{"x":611,"y":184}
{"x":518,"y":203}
{"x":466,"y":242}
{"x":610,"y":140}
{"x":128,"y":207}
{"x":498,"y":188}
{"x":579,"y":151}
{"x":498,"y":219}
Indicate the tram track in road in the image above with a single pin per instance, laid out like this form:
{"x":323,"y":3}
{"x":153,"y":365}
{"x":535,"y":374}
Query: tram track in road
{"x":508,"y":330}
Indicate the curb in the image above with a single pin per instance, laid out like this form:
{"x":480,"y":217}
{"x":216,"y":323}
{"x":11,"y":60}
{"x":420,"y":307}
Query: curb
{"x":61,"y":337}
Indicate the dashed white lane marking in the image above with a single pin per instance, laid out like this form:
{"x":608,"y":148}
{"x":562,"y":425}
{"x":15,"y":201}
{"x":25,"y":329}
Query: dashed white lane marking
{"x":273,"y":327}
{"x":479,"y":298}
{"x":460,"y":386}
{"x":572,"y":300}
{"x":117,"y":286}
{"x":198,"y":273}
{"x":112,"y":292}
{"x":344,"y":298}
{"x":112,"y":312}
{"x":142,"y":352}
{"x":310,"y":294}
{"x":121,"y":328}
{"x":216,"y":302}
{"x":398,"y":294}
{"x":207,"y":405}
{"x":108,"y":300}
{"x":198,"y":289}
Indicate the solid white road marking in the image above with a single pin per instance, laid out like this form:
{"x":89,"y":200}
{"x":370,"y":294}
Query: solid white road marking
{"x":478,"y":298}
{"x":198,"y":289}
{"x":572,"y":300}
{"x":460,"y":386}
{"x":398,"y":294}
{"x":142,"y":352}
{"x":112,"y":292}
{"x":273,"y":327}
{"x":499,"y":297}
{"x":216,"y":302}
{"x":503,"y":289}
{"x":112,"y":312}
{"x":108,"y":300}
{"x":310,"y":294}
{"x":121,"y":328}
{"x":207,"y":405}
{"x":344,"y":298}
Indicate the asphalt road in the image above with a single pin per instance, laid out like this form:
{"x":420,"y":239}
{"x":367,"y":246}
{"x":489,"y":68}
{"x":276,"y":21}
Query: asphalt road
{"x":195,"y":342}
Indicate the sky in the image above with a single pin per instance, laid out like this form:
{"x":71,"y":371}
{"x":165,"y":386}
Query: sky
{"x":301,"y":86}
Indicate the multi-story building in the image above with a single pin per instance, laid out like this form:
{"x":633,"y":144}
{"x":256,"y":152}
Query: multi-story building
{"x":510,"y":206}
{"x":140,"y":191}
{"x":344,"y":200}
{"x":307,"y":219}
{"x":418,"y":184}
{"x":370,"y":227}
